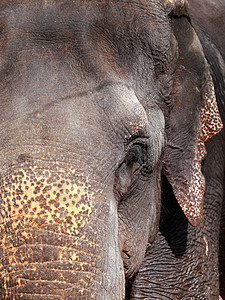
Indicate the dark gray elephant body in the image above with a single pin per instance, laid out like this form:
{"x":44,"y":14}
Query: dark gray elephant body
{"x":90,"y":93}
{"x":183,"y":262}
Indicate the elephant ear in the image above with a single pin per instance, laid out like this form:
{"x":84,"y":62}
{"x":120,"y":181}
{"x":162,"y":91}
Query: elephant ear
{"x":194,"y":117}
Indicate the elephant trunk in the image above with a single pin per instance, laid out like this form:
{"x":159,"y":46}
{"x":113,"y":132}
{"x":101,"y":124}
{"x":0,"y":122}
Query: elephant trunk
{"x":56,"y":243}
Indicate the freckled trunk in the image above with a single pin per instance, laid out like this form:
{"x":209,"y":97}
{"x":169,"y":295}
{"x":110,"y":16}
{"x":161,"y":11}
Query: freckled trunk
{"x":56,"y":242}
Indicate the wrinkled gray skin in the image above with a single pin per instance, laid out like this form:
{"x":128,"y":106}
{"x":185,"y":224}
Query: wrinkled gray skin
{"x":83,"y":112}
{"x":183,"y":262}
{"x":91,"y":91}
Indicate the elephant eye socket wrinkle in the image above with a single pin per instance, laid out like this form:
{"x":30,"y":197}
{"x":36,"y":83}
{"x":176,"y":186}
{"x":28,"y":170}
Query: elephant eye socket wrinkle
{"x":135,"y":163}
{"x":134,"y":155}
{"x":138,"y":158}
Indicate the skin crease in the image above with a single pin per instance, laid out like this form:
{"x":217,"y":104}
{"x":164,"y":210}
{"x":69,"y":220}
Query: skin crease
{"x":83,"y":114}
{"x":183,"y":262}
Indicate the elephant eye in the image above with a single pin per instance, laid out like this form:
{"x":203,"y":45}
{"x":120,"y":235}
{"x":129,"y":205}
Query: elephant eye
{"x":134,"y":155}
{"x":135,"y":162}
{"x":137,"y":158}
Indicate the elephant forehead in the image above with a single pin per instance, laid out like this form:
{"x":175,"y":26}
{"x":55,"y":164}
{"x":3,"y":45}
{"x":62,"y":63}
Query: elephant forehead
{"x":36,"y":198}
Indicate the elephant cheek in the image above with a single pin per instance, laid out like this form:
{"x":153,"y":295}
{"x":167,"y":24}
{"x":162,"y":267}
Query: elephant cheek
{"x":55,"y":240}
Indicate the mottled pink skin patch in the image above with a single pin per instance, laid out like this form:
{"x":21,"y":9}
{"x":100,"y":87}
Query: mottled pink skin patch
{"x":190,"y":195}
{"x":211,"y":122}
{"x":210,"y":116}
{"x":44,"y":229}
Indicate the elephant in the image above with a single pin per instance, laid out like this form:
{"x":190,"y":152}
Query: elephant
{"x":187,"y":262}
{"x":96,"y":98}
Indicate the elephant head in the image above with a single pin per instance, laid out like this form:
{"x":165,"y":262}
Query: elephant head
{"x":90,"y":93}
